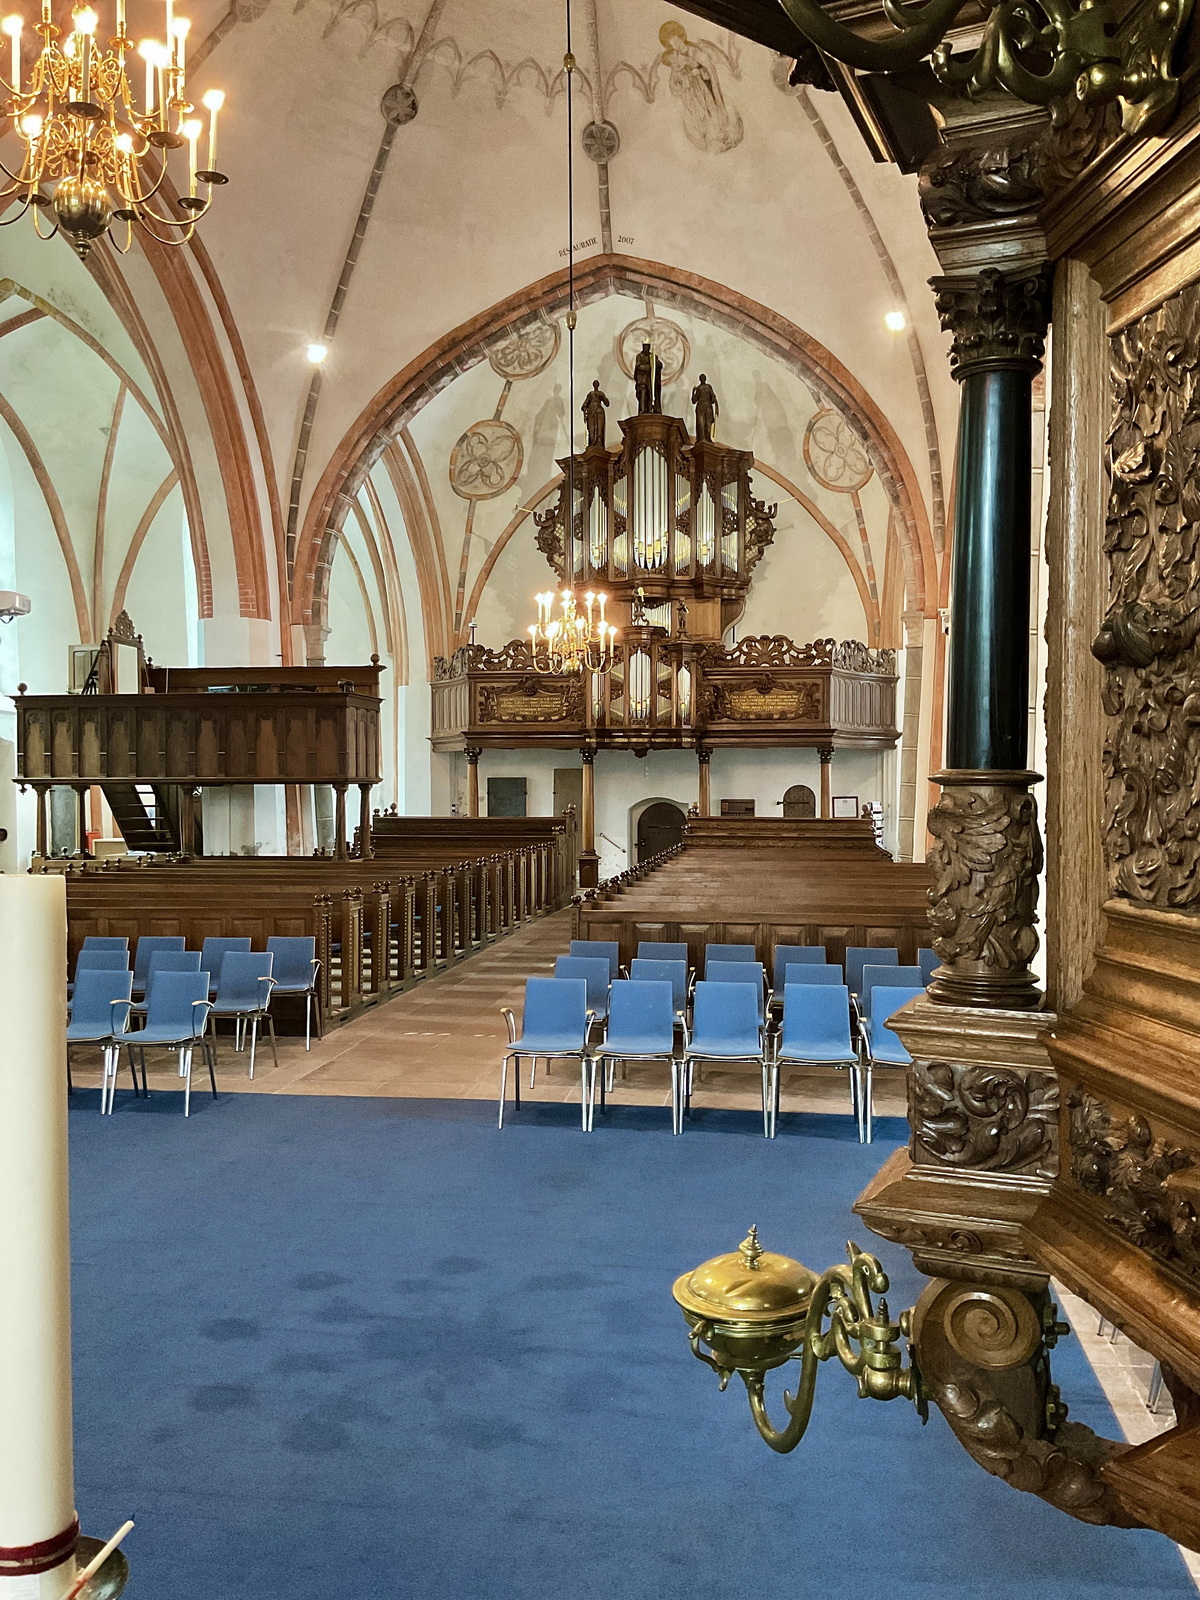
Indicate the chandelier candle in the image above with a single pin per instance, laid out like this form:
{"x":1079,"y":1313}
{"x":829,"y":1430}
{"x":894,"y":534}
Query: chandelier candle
{"x":85,"y":137}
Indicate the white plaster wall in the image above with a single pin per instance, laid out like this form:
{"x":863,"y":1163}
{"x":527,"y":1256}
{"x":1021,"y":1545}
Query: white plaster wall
{"x":625,"y":783}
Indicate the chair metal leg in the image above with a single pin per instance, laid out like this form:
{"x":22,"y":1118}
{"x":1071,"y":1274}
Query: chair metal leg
{"x":308,"y":1005}
{"x":253,"y":1021}
{"x":270,"y":1021}
{"x":868,"y":1097}
{"x":185,"y":1072}
{"x":108,"y":1090}
{"x":504,"y":1088}
{"x":679,"y":1075}
{"x":210,"y":1055}
{"x":585,"y":1094}
{"x":142,"y":1062}
{"x":320,"y":1015}
{"x":1156,"y":1389}
{"x":766,"y":1096}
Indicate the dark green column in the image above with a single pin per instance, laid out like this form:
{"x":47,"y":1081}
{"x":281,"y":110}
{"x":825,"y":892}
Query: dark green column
{"x":987,"y":852}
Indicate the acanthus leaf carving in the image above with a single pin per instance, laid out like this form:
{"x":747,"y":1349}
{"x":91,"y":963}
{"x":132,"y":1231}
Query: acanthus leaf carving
{"x":986,"y":859}
{"x":997,"y":318}
{"x":973,"y":183}
{"x":1148,"y":1186}
{"x":549,"y":538}
{"x":1148,"y":640}
{"x":985,"y":1117}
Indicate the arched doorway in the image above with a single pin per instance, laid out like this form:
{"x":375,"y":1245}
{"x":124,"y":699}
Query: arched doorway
{"x":799,"y":801}
{"x":660,"y":827}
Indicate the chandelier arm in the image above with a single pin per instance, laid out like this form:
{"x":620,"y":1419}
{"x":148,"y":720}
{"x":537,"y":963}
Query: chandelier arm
{"x":6,"y":222}
{"x":923,"y":28}
{"x":183,"y":239}
{"x":143,"y":194}
{"x":15,"y":176}
{"x":145,"y":214}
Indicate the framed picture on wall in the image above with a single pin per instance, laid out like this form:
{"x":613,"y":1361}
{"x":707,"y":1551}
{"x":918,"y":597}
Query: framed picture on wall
{"x":844,"y":805}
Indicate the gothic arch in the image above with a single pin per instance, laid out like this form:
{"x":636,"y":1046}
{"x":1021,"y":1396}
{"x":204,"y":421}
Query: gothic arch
{"x":400,"y":399}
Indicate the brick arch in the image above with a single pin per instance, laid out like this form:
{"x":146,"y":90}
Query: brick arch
{"x":417,"y":383}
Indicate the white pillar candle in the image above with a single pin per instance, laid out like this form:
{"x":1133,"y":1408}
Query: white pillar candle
{"x":37,"y":1501}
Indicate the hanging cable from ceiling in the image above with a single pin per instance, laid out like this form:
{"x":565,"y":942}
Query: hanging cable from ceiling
{"x":572,"y":316}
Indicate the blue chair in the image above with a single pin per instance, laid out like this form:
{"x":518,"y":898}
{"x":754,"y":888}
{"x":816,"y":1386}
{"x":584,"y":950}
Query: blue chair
{"x":214,"y":950}
{"x":809,"y":972}
{"x":295,"y":972}
{"x":167,"y":961}
{"x":816,"y":1032}
{"x":593,"y":948}
{"x":105,"y":941}
{"x":792,"y":955}
{"x":673,"y":972}
{"x":146,"y":946}
{"x":726,"y":1026}
{"x":928,"y":961}
{"x":728,"y":952}
{"x":858,"y":957}
{"x":244,"y":993}
{"x":750,"y":973}
{"x":880,"y":1046}
{"x":176,"y":1019}
{"x":660,"y":950}
{"x":101,"y":1009}
{"x":594,"y":970}
{"x":641,"y":1027}
{"x":555,"y":1023}
{"x":102,"y":960}
{"x":887,"y":978}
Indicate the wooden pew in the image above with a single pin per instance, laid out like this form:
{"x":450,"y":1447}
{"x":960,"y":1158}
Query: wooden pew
{"x":379,"y":926}
{"x":764,"y":882}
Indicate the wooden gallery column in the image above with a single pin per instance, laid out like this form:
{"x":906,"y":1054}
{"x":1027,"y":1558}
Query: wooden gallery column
{"x":589,"y":861}
{"x":982,"y":1099}
{"x":987,"y":852}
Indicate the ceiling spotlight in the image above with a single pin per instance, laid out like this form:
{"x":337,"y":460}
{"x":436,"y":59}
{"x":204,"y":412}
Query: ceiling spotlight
{"x":896,"y":321}
{"x":317,"y":353}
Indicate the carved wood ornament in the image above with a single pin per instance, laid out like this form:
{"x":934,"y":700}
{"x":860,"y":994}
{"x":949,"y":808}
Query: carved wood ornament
{"x":985,"y":1118}
{"x":986,"y":858}
{"x":1148,"y":1187}
{"x":1148,"y":641}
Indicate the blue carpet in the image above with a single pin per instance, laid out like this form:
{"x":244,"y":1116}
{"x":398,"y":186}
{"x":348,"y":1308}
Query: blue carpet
{"x":373,"y":1348}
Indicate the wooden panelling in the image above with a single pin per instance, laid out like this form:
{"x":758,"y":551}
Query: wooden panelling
{"x":209,"y":738}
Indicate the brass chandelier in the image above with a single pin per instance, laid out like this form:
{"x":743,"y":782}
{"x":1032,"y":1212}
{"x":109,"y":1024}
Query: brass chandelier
{"x":81,"y":127}
{"x":574,"y":641}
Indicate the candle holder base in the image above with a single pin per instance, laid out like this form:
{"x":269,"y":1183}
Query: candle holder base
{"x":112,"y":1576}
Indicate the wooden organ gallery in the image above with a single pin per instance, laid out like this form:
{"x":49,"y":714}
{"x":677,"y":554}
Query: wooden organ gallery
{"x":667,"y":531}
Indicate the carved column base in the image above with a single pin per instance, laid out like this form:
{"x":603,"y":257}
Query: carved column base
{"x":983,"y":903}
{"x":983,"y":1108}
{"x":983,"y":1355}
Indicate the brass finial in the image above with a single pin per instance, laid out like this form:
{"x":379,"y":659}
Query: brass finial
{"x":750,"y":1250}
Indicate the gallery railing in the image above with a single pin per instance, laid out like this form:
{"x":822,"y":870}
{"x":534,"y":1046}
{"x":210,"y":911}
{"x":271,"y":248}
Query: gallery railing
{"x":671,"y":692}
